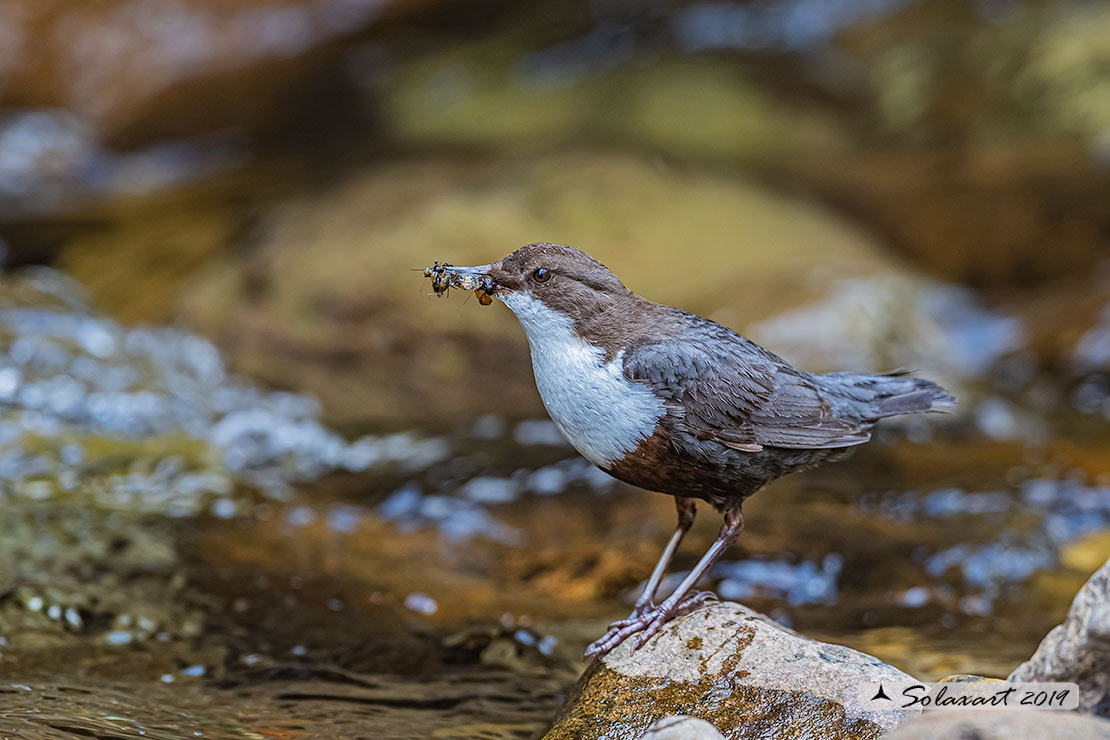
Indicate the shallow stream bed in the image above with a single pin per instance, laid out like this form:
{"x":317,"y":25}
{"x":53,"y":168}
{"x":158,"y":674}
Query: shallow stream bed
{"x":449,"y":593}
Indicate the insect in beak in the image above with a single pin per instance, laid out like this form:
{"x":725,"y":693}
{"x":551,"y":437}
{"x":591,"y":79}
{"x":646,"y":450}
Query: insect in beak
{"x":447,"y":276}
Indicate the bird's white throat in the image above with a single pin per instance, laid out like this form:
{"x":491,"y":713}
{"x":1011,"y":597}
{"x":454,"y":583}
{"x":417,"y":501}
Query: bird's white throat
{"x":600,"y":412}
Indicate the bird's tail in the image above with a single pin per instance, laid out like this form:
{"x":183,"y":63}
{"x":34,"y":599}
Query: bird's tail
{"x":892,"y":394}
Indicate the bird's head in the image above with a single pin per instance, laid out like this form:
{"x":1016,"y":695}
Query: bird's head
{"x":540,"y":277}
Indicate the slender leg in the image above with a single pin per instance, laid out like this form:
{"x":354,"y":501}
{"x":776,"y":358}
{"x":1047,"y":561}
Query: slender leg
{"x":678,"y":603}
{"x":687,"y":510}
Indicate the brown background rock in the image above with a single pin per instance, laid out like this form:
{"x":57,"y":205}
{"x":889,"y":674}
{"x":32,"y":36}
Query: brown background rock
{"x":140,"y":70}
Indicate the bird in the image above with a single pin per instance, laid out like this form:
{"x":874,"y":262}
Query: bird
{"x":671,"y":402}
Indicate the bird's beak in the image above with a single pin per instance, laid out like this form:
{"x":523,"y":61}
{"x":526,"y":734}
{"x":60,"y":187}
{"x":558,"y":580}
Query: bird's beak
{"x":479,"y":280}
{"x":470,"y":278}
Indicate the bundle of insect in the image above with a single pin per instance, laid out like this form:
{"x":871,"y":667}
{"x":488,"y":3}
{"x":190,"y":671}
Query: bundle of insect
{"x":444,"y":278}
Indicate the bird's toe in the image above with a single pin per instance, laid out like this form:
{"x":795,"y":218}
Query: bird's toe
{"x":636,"y":616}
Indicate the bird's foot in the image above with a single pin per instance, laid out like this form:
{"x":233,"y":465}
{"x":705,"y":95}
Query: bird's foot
{"x":690,"y":604}
{"x":637,"y":614}
{"x":647,"y":622}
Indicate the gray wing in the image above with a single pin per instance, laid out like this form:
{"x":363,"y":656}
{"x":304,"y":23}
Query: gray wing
{"x":734,"y":391}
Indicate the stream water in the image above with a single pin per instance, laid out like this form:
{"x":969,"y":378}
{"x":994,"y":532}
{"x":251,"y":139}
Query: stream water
{"x":184,"y":553}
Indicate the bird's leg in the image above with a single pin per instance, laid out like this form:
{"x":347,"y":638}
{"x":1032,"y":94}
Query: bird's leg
{"x":678,"y":603}
{"x":687,"y":510}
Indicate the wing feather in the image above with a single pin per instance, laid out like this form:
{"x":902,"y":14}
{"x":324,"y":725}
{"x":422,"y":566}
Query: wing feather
{"x":721,"y":386}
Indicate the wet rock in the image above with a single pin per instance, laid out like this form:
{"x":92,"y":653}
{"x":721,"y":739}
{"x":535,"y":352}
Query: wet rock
{"x":736,"y":669}
{"x":682,"y":728}
{"x":920,"y":319}
{"x":1000,"y":725}
{"x":1079,"y":649}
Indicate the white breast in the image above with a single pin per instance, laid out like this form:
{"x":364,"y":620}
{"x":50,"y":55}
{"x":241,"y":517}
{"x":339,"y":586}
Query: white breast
{"x":600,"y":412}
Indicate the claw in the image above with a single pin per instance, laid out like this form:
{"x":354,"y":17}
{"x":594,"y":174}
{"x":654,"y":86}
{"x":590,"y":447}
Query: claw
{"x":647,"y":633}
{"x":695,"y":601}
{"x":647,"y":623}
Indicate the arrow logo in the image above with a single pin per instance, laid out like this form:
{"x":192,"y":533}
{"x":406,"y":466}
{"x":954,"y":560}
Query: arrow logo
{"x":880,"y":694}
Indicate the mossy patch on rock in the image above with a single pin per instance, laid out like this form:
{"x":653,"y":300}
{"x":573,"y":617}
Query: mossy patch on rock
{"x":617,"y":706}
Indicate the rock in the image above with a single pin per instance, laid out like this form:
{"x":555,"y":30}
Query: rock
{"x":1001,"y":725}
{"x":137,"y":71}
{"x":1079,"y":649}
{"x":977,"y":206}
{"x":736,"y":669}
{"x":681,"y":727}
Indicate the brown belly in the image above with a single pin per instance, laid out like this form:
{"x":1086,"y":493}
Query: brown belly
{"x":682,"y":465}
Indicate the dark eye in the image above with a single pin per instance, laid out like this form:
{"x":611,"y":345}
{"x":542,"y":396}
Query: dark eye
{"x":541,"y":275}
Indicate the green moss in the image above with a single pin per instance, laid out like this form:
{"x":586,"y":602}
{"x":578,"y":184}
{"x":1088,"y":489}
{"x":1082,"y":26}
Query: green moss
{"x":615,"y":706}
{"x":100,"y":452}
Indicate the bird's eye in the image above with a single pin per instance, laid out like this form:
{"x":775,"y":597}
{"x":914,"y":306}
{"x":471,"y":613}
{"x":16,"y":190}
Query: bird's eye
{"x":541,"y":275}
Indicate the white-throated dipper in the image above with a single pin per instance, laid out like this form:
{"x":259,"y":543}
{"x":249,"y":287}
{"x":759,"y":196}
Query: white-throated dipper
{"x":671,"y":402}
